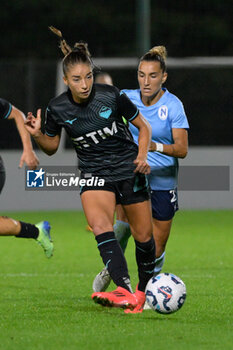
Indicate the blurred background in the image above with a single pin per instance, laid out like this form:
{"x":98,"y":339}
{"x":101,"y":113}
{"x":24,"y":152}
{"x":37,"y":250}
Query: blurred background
{"x":198,"y":38}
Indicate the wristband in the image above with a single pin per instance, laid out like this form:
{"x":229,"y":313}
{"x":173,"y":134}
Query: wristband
{"x":159,"y":147}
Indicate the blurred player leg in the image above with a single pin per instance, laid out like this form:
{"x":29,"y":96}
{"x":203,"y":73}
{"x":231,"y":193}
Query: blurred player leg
{"x":19,"y":229}
{"x":161,"y":231}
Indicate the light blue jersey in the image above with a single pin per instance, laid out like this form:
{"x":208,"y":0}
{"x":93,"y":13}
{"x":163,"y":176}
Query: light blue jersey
{"x":163,"y":116}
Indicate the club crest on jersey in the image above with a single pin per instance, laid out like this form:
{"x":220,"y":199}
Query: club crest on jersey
{"x":105,"y":112}
{"x":163,"y":112}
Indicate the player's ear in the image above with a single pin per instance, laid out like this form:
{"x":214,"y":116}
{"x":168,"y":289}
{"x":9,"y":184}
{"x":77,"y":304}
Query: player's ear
{"x":164,"y":77}
{"x":65,"y":80}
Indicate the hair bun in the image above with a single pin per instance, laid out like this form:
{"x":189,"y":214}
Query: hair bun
{"x":160,"y":51}
{"x":83,"y":47}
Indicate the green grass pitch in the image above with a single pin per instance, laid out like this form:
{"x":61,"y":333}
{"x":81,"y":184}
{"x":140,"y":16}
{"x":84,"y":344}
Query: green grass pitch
{"x":46,"y":303}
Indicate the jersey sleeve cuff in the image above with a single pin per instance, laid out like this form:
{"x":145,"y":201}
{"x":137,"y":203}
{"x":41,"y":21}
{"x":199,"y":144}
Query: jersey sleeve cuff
{"x":50,"y":134}
{"x":9,"y":112}
{"x":135,"y":115}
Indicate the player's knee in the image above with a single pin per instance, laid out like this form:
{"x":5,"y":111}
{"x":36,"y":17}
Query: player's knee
{"x":142,"y":235}
{"x":99,"y":228}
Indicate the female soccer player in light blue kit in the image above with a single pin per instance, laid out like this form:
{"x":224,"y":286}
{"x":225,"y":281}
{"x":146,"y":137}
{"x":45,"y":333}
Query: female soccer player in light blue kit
{"x":166,"y":115}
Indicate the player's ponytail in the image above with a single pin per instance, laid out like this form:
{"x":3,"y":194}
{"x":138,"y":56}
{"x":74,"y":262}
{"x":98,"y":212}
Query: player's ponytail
{"x":65,"y":48}
{"x":156,"y":53}
{"x":78,"y":54}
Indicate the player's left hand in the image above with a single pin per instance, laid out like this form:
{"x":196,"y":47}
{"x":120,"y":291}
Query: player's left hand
{"x":142,"y":166}
{"x":30,"y":159}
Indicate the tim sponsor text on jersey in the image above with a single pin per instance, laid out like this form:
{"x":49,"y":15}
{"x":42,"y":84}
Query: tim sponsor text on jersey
{"x":95,"y":136}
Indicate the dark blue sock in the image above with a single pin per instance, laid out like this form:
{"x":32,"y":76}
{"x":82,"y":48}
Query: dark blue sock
{"x":145,"y":257}
{"x":113,"y":258}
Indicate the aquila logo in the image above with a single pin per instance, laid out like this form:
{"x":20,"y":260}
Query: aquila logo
{"x":105,"y":112}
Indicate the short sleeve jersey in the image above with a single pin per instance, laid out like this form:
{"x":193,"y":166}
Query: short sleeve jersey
{"x":5,"y":109}
{"x":103,"y":143}
{"x":163,"y":116}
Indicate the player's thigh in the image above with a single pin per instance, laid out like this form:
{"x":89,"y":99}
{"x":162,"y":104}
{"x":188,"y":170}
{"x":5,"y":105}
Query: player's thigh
{"x":120,"y":213}
{"x":140,"y":220}
{"x":99,"y":208}
{"x":161,"y":232}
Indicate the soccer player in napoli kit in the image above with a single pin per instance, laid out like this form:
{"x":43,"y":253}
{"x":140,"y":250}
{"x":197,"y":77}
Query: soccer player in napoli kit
{"x":92,"y":117}
{"x":8,"y":226}
{"x":166,"y":115}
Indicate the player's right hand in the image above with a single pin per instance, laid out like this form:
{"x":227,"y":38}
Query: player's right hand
{"x":32,"y":124}
{"x":141,"y":166}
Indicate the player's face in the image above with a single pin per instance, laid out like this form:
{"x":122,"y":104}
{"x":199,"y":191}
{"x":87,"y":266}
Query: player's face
{"x":79,"y":78}
{"x":150,"y":79}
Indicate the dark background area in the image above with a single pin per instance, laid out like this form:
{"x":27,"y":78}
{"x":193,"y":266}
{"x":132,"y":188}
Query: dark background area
{"x":29,"y":54}
{"x":187,"y":28}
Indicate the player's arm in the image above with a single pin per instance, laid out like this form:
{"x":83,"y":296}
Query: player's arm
{"x":130,"y":112}
{"x":144,"y":139}
{"x":179,"y":149}
{"x":29,"y":157}
{"x":48,"y":144}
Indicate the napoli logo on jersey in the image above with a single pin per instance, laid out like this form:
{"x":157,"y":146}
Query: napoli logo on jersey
{"x":105,"y":112}
{"x":163,"y":112}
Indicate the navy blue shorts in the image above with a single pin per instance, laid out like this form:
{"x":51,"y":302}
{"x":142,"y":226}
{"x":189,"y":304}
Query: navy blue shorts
{"x":164,"y":204}
{"x":128,"y":191}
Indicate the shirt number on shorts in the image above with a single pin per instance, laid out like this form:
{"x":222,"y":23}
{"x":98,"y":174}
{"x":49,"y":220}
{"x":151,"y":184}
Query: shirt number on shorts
{"x":174,"y":198}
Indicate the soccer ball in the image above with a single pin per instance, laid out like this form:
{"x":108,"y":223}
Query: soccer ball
{"x":165,"y":293}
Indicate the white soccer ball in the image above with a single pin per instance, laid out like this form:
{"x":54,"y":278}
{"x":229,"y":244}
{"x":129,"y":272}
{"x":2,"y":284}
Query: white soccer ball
{"x":165,"y":293}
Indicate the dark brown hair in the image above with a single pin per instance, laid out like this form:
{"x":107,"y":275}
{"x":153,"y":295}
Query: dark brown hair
{"x":78,"y":54}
